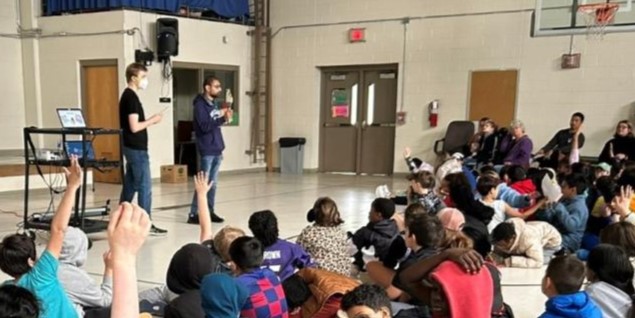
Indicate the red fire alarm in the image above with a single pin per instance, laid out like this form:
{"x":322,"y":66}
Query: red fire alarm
{"x":357,"y":35}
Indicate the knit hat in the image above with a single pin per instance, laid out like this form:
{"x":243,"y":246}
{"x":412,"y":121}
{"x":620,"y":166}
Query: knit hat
{"x":452,"y":219}
{"x":222,"y":296}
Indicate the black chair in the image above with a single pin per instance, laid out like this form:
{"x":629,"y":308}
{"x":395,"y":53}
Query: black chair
{"x":457,"y":136}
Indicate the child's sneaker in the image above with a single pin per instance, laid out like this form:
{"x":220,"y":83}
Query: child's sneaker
{"x":382,"y":191}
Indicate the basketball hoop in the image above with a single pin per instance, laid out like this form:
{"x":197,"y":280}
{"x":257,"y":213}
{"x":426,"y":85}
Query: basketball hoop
{"x":598,"y":16}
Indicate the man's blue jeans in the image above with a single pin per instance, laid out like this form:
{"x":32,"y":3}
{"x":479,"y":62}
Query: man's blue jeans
{"x":210,"y":165}
{"x":137,"y":178}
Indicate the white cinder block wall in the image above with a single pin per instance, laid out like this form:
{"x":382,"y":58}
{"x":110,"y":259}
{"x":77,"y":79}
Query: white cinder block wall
{"x":440,"y":54}
{"x":11,"y":82}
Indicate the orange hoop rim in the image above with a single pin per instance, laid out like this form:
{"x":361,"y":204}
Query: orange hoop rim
{"x":594,"y":7}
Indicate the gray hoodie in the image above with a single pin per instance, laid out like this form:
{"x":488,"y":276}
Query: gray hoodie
{"x":80,"y":287}
{"x":613,"y":302}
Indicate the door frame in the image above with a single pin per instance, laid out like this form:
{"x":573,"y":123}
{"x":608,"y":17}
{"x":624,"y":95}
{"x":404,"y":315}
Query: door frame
{"x":468,"y":105}
{"x":362,"y":90}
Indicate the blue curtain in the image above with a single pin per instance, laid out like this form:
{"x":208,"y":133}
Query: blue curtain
{"x":226,"y":8}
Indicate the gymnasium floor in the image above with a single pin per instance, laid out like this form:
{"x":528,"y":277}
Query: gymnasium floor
{"x":240,"y":195}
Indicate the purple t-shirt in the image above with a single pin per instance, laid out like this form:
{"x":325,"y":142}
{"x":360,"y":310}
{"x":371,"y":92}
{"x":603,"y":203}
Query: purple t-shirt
{"x":283,"y":258}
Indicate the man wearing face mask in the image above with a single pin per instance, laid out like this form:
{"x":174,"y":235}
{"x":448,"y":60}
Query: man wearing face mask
{"x":134,"y":124}
{"x":208,"y":119}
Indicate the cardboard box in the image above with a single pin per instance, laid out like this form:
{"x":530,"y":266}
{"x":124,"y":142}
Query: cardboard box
{"x":174,"y":174}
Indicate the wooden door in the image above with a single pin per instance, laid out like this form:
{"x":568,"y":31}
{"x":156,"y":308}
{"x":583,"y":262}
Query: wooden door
{"x":101,"y":107}
{"x":493,"y":95}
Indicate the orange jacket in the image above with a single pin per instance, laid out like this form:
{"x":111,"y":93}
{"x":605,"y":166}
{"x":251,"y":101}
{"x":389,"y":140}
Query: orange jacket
{"x":323,"y":285}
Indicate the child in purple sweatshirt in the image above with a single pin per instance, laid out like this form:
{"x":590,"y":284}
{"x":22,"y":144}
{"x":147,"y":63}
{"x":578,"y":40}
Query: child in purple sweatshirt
{"x":280,"y":256}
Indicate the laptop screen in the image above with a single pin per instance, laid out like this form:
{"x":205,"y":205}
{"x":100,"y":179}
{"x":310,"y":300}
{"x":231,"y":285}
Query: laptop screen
{"x":71,"y":118}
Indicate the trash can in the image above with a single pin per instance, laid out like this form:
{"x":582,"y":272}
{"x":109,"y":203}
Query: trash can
{"x":292,"y":155}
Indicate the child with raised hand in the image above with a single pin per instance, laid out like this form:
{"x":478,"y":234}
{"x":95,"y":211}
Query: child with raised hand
{"x":18,"y":255}
{"x":127,"y":231}
{"x":325,"y":240}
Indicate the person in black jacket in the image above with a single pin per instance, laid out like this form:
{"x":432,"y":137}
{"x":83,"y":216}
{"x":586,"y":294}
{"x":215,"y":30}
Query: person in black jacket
{"x":559,"y":147}
{"x":488,"y":146}
{"x":379,"y":233}
{"x":621,"y":147}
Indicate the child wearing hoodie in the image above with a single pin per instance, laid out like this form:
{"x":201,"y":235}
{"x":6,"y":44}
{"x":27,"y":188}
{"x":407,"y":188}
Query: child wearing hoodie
{"x":222,"y":296}
{"x":610,"y":274}
{"x":379,"y":233}
{"x":80,"y":287}
{"x":561,"y":284}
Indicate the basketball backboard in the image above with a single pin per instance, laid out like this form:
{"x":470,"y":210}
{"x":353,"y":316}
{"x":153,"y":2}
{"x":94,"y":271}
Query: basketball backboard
{"x":561,"y":17}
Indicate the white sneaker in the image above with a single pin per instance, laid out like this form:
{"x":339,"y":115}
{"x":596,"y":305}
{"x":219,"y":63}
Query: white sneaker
{"x":382,"y":191}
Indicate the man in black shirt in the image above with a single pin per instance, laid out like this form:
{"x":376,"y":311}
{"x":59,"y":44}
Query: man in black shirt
{"x":133,"y":122}
{"x":559,"y":147}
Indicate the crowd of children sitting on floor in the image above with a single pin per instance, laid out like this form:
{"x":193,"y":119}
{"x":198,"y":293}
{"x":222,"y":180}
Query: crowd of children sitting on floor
{"x":440,"y":257}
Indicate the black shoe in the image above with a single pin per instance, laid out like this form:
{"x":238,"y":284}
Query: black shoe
{"x":192,"y":219}
{"x":155,"y":231}
{"x":216,"y":218}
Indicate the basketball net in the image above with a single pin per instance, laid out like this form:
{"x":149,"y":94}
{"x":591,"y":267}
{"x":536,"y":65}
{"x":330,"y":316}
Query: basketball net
{"x":597,"y":17}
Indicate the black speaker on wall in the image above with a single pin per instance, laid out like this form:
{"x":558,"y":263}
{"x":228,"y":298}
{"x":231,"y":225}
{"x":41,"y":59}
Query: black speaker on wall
{"x":167,"y":38}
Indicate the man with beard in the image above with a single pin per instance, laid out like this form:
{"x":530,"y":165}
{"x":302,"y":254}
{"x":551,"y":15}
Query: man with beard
{"x":208,"y":119}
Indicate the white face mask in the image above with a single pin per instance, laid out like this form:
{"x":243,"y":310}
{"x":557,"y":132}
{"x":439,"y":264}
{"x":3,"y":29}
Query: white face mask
{"x":143,"y":84}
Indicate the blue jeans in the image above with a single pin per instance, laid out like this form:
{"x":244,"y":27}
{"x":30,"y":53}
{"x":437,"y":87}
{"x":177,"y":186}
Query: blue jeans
{"x":137,"y":179}
{"x":210,"y":165}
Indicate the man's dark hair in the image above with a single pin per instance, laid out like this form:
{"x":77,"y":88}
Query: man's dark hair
{"x":264,"y":226}
{"x":503,"y":232}
{"x":577,"y":181}
{"x":579,"y":115}
{"x":296,"y":290}
{"x":427,"y":229}
{"x":18,"y":302}
{"x":566,"y":274}
{"x":15,"y":252}
{"x":485,"y":184}
{"x":385,"y":207}
{"x":247,"y":253}
{"x":133,"y":70}
{"x":371,"y":296}
{"x":209,"y":81}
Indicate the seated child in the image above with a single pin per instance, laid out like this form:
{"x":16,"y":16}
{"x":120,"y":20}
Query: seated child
{"x":600,"y":216}
{"x":561,"y":284}
{"x":516,"y":177}
{"x":570,"y":215}
{"x":620,"y":234}
{"x":316,"y":293}
{"x":18,"y":302}
{"x":379,"y":233}
{"x":422,"y":185}
{"x":325,"y":240}
{"x":610,"y":274}
{"x":266,"y":296}
{"x":487,"y":187}
{"x":186,"y":271}
{"x":79,"y":286}
{"x":453,"y":221}
{"x":367,"y":301}
{"x":424,"y":234}
{"x":280,"y":256}
{"x":39,"y":276}
{"x":486,"y":152}
{"x":526,"y":244}
{"x":222,"y":296}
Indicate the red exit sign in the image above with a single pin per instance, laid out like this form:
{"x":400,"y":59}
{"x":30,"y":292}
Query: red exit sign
{"x":357,"y":35}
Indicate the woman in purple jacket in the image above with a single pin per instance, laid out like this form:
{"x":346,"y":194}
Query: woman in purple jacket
{"x":517,"y":146}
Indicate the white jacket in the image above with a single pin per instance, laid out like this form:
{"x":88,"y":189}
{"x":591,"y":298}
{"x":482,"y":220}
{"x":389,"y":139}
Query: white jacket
{"x":531,"y":240}
{"x":613,"y":302}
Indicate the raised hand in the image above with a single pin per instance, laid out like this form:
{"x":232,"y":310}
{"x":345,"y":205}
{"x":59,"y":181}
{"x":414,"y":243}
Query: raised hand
{"x":73,"y":174}
{"x":128,"y":228}
{"x":201,"y":183}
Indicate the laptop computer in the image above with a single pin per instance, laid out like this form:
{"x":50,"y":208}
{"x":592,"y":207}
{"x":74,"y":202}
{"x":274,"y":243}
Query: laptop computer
{"x":71,"y":118}
{"x":74,"y":147}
